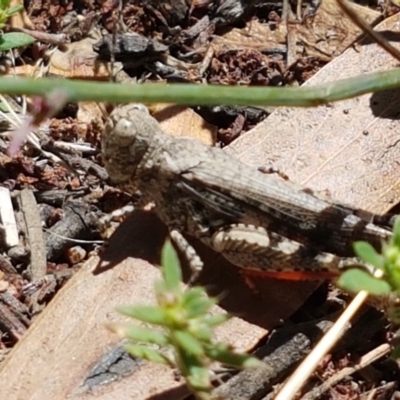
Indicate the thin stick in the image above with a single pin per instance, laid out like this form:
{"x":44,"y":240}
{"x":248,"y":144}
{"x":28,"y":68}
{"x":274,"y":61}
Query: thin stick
{"x":308,"y":366}
{"x":378,"y":37}
{"x":367,"y":359}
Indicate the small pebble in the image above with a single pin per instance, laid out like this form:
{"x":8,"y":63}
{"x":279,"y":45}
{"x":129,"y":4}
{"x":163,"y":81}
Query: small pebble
{"x":76,"y":254}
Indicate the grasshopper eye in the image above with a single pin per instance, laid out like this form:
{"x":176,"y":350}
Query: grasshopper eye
{"x":123,"y":128}
{"x":139,"y":107}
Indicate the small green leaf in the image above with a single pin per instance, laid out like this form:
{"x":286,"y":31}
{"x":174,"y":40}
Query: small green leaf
{"x":368,"y":254}
{"x":147,"y":335}
{"x":393,"y":274}
{"x":214,"y":320}
{"x":196,"y":302}
{"x":355,"y":280}
{"x":253,"y":362}
{"x":200,"y":331}
{"x":193,"y":369}
{"x":222,"y":352}
{"x":150,"y":314}
{"x":199,"y":379}
{"x":396,"y":233}
{"x":171,"y":266}
{"x":393,"y":313}
{"x":14,"y":9}
{"x":3,"y":108}
{"x":192,"y":294}
{"x":15,"y":39}
{"x":4,"y":4}
{"x":188,"y":343}
{"x":395,"y":354}
{"x":3,"y":19}
{"x":147,"y":354}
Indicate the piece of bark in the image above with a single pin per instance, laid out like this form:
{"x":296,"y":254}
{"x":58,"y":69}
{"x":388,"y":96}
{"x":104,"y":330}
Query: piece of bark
{"x":78,"y":222}
{"x":285,"y":349}
{"x":6,"y":266}
{"x":13,"y":320}
{"x":38,"y":265}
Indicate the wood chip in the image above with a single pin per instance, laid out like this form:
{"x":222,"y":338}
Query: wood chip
{"x":38,"y":265}
{"x":7,"y":218}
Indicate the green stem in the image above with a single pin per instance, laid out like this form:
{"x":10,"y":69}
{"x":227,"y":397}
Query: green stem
{"x":306,"y":96}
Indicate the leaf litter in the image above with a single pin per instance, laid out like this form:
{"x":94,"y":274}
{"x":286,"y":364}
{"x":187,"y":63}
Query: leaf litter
{"x":227,"y":42}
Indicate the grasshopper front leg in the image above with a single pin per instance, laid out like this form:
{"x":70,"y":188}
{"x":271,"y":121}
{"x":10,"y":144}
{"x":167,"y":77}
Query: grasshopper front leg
{"x":195,"y":263}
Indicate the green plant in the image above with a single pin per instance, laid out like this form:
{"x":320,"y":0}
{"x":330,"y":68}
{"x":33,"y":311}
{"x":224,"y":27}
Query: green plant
{"x":384,"y":280}
{"x":194,"y":94}
{"x":180,"y":332}
{"x":11,"y":40}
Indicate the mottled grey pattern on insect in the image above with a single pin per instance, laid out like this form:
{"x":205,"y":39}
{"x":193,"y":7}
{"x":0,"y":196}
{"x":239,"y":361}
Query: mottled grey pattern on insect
{"x":257,"y":221}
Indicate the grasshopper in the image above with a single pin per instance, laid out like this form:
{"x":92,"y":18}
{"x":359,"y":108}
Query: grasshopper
{"x":257,"y":221}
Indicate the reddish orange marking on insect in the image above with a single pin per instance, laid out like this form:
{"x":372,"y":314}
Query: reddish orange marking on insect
{"x":290,"y":275}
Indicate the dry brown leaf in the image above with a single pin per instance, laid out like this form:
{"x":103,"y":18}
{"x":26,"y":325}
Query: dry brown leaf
{"x":79,"y":61}
{"x":88,"y":112}
{"x":330,"y":31}
{"x":183,"y":121}
{"x":349,"y":149}
{"x":325,"y":35}
{"x":256,"y":36}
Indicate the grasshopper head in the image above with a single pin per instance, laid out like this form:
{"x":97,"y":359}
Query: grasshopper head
{"x":127,"y":137}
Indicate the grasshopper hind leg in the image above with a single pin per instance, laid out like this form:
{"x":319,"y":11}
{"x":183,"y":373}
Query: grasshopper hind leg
{"x":271,"y":255}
